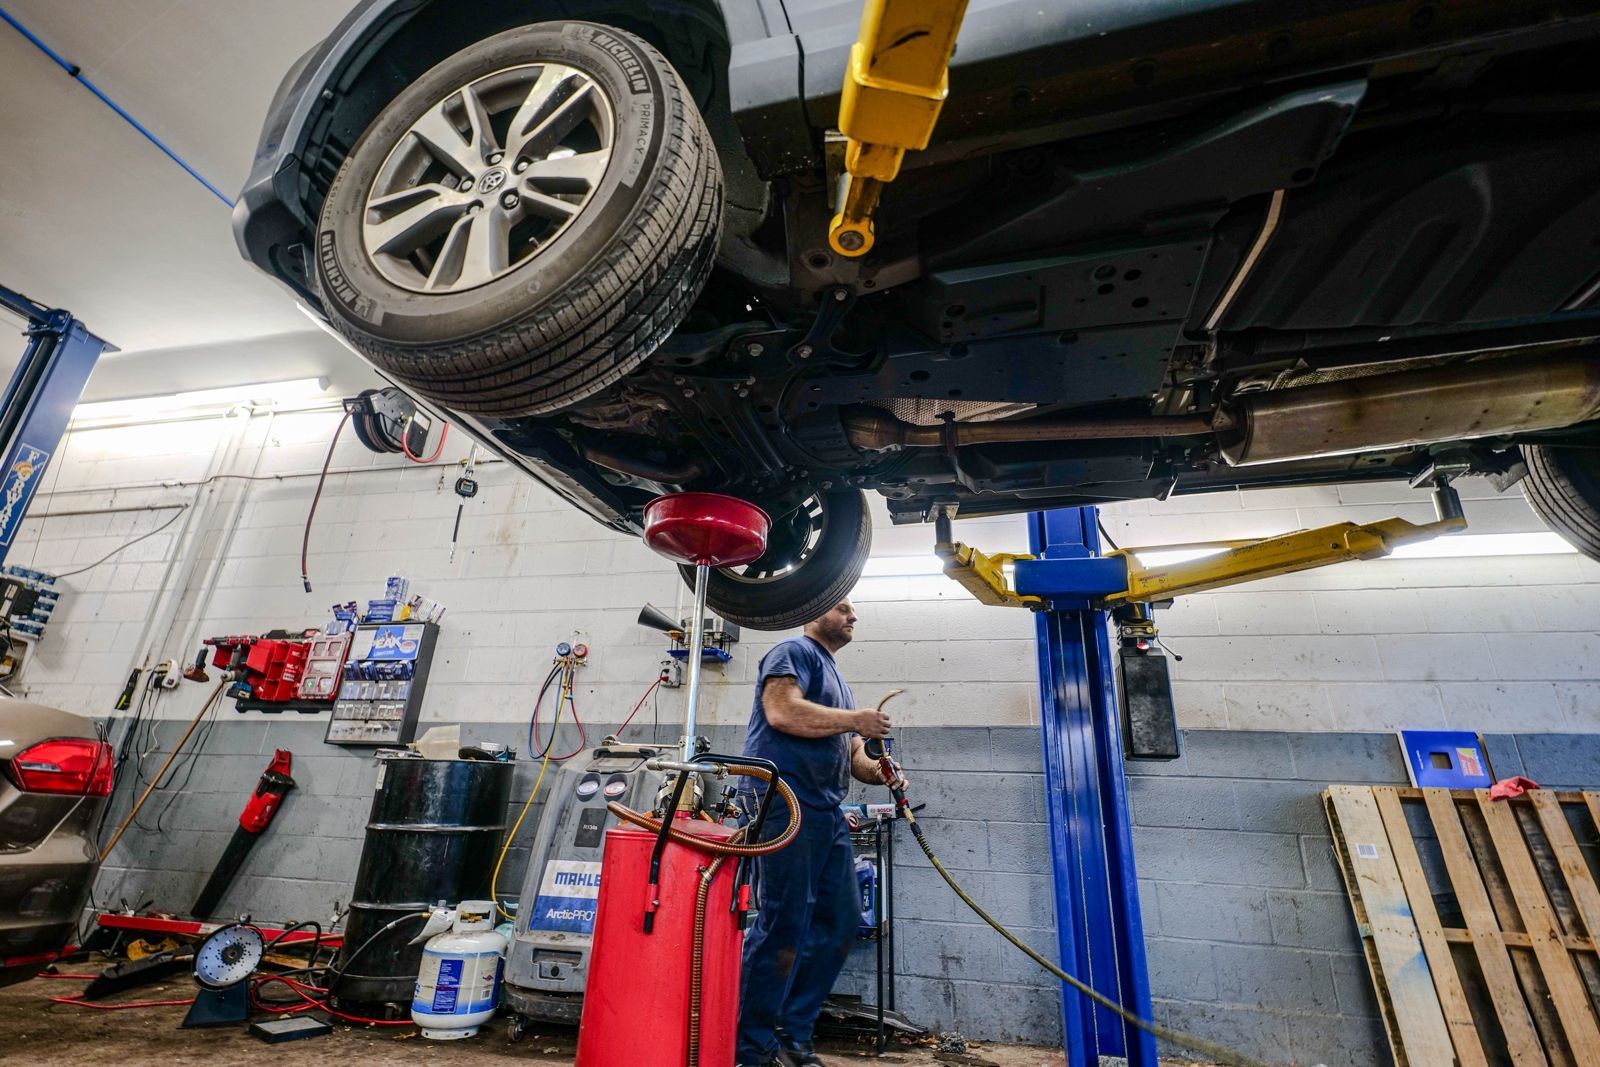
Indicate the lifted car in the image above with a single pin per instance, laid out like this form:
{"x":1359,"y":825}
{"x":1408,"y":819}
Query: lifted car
{"x":1152,"y":249}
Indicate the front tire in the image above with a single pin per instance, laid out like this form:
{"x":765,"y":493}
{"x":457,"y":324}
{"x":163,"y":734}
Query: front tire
{"x":1563,"y":486}
{"x":526,"y":223}
{"x":814,"y":558}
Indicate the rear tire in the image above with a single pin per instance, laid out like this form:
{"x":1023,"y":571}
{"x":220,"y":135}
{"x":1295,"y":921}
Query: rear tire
{"x":519,"y":271}
{"x":814,"y":558}
{"x":1563,"y":485}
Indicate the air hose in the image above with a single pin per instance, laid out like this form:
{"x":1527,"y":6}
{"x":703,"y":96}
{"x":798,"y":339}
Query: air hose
{"x":1220,"y":1053}
{"x":725,"y":848}
{"x":702,"y":897}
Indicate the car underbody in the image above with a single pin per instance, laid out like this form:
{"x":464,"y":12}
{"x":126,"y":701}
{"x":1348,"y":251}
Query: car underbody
{"x":1132,"y":307}
{"x":1338,"y":247}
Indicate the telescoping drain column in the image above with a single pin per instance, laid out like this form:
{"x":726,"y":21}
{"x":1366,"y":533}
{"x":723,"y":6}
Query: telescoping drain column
{"x":673,"y":895}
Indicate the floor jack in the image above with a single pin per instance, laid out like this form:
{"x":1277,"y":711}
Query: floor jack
{"x":671,"y":905}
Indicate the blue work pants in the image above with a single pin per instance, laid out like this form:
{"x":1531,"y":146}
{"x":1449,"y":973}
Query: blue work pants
{"x":802,"y":935}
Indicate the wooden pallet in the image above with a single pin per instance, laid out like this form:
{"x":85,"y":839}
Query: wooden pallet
{"x":1479,"y":921}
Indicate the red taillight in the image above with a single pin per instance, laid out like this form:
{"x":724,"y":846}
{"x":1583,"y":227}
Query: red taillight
{"x":65,"y":765}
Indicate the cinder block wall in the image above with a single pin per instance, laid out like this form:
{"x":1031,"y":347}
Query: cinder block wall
{"x":1499,"y":645}
{"x":1249,"y":934}
{"x":1469,"y":643}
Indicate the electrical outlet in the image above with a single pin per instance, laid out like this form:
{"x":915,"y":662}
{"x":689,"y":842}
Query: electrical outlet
{"x":671,"y":673}
{"x":164,"y":675}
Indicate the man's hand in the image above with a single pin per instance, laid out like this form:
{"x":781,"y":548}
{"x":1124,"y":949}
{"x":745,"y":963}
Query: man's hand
{"x":900,"y":780}
{"x":872,"y":723}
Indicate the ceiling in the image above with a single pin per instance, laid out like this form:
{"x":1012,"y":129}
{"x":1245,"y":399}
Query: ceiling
{"x":94,"y":218}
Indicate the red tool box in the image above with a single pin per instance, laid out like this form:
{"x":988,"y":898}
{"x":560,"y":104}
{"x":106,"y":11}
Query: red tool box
{"x":275,"y":667}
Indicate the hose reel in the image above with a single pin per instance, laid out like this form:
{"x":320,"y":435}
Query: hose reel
{"x":388,"y":421}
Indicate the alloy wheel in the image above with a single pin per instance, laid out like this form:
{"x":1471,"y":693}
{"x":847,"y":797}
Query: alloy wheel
{"x":488,"y":177}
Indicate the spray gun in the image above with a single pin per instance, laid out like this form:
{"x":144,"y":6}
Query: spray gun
{"x":880,"y":749}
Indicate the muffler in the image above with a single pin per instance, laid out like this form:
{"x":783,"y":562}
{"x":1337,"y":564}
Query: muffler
{"x":1484,"y":398}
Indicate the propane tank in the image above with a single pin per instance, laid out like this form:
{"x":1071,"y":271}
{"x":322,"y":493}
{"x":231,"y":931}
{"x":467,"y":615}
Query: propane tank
{"x":459,"y":984}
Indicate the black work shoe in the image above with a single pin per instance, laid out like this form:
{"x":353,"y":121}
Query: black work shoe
{"x":801,"y":1056}
{"x":763,"y":1063}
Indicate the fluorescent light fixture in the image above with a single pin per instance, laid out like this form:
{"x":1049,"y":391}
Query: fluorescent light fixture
{"x":1449,"y":546}
{"x":1165,"y":557}
{"x":155,"y":408}
{"x":902,"y":566}
{"x":1455,"y":546}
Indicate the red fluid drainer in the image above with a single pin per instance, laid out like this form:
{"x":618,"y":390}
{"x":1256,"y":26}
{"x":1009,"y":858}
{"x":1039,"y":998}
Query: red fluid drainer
{"x":663,"y":982}
{"x":706,"y":530}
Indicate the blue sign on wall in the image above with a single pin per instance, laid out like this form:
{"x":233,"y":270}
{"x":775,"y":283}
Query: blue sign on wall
{"x":399,"y":641}
{"x":1448,"y":759}
{"x":23,"y":474}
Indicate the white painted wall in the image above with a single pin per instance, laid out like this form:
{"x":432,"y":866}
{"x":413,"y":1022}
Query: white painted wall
{"x":1492,"y":644}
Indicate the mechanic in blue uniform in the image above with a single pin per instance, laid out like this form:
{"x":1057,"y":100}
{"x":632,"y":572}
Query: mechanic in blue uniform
{"x":805,"y":721}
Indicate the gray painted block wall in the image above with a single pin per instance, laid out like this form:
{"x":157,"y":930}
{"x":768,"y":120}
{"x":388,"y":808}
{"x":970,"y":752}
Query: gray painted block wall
{"x":1249,"y":936}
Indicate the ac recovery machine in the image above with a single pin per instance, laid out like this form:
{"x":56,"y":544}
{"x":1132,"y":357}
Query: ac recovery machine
{"x":548,"y":961}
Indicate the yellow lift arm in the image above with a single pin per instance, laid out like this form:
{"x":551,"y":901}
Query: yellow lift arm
{"x":984,"y":575}
{"x":1251,"y":561}
{"x":898,"y":77}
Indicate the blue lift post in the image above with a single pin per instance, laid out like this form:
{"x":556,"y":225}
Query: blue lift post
{"x":1101,"y":935}
{"x":38,"y":402}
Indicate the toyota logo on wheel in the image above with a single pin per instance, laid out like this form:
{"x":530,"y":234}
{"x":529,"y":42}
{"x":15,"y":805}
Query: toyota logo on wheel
{"x":492,"y":181}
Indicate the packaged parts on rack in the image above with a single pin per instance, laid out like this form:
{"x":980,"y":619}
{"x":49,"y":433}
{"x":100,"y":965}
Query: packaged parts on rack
{"x":424,"y":610}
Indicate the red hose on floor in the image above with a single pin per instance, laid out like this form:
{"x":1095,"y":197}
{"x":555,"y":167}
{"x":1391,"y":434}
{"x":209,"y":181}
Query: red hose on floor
{"x":303,"y":990}
{"x":80,"y":1002}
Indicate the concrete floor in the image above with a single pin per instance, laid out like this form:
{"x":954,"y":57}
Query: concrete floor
{"x":35,"y":1031}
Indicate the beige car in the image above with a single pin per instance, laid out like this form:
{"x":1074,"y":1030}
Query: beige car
{"x":55,"y":776}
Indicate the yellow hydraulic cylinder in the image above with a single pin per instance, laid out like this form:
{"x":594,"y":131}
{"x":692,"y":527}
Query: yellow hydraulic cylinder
{"x":897,"y":80}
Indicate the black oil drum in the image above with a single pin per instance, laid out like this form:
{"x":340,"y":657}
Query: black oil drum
{"x":434,"y":834}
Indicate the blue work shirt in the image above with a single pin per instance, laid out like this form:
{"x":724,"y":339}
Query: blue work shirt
{"x":816,"y":768}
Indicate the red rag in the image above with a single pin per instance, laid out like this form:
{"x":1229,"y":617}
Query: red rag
{"x":1514,"y":786}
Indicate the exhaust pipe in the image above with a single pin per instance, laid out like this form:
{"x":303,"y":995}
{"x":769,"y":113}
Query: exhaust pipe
{"x":881,"y":432}
{"x":1485,"y":398}
{"x":681,"y":472}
